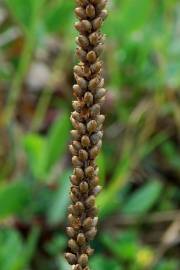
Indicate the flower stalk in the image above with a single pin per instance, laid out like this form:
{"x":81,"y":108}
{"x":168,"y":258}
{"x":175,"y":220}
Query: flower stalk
{"x":87,"y":121}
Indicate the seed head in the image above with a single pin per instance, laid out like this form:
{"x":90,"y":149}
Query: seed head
{"x":87,"y":121}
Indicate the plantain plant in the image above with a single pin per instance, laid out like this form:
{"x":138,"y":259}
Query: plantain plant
{"x":87,"y":121}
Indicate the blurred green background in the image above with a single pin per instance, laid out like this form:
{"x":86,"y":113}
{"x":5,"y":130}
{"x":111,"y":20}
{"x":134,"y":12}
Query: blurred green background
{"x":139,"y":163}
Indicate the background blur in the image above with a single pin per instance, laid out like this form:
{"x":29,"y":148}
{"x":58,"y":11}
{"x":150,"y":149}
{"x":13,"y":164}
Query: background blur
{"x":140,"y":160}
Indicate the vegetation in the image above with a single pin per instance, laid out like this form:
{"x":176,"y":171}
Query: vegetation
{"x":139,"y":160}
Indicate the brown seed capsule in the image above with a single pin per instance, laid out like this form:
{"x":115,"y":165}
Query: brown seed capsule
{"x":96,"y":67}
{"x":77,"y":106}
{"x":71,"y":258}
{"x":91,"y":126}
{"x":80,"y":13}
{"x":100,"y":93}
{"x":93,"y":84}
{"x":83,"y":154}
{"x":79,"y":173}
{"x":82,"y":3}
{"x":73,"y":245}
{"x":73,"y":197}
{"x":97,"y":23}
{"x":86,"y":268}
{"x":81,"y":128}
{"x":79,"y":207}
{"x":88,"y":98}
{"x":83,"y":187}
{"x":89,"y":251}
{"x":91,"y":212}
{"x":99,"y":49}
{"x":79,"y":27}
{"x":90,"y":202}
{"x":85,"y":141}
{"x":73,"y":150}
{"x":81,"y":54}
{"x":94,"y":38}
{"x":76,"y":116}
{"x":91,"y":233}
{"x":101,"y":83}
{"x":74,"y":122}
{"x":91,"y":57}
{"x":75,"y":134}
{"x":86,"y":25}
{"x":81,"y":240}
{"x":71,"y":209}
{"x":96,"y":137}
{"x":90,"y":11}
{"x":71,"y":232}
{"x":82,"y":82}
{"x":100,"y":119}
{"x":103,"y":14}
{"x":88,"y":223}
{"x":94,"y":152}
{"x":101,"y":5}
{"x":94,"y":182}
{"x":74,"y":221}
{"x":95,"y":110}
{"x":77,"y":267}
{"x":79,"y":71}
{"x":77,"y":92}
{"x":76,"y":144}
{"x":89,"y":171}
{"x":83,"y":260}
{"x":76,"y":162}
{"x":83,"y":41}
{"x":97,"y":190}
{"x":95,"y":221}
{"x":75,"y":190}
{"x":94,"y":1}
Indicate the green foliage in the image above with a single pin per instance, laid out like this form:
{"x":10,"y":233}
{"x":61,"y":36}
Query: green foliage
{"x":14,"y":253}
{"x":56,"y":141}
{"x":124,"y":246}
{"x":25,"y":12}
{"x":101,"y":262}
{"x":143,"y":199}
{"x":43,"y":153}
{"x":58,"y":16}
{"x":13,"y":197}
{"x":58,"y":207}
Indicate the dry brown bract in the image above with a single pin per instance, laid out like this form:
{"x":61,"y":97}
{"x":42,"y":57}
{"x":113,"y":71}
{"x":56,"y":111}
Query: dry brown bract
{"x":87,"y":121}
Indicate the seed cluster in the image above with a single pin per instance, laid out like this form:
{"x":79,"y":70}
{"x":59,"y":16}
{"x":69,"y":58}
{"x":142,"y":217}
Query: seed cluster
{"x":87,"y":121}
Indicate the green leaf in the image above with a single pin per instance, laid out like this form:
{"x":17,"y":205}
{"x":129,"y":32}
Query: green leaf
{"x":56,"y":244}
{"x":102,"y":262}
{"x":58,"y":16}
{"x":58,"y":205}
{"x":11,"y":248}
{"x":141,"y":201}
{"x":124,"y":245}
{"x":135,"y":13}
{"x":14,"y":254}
{"x":13,"y":198}
{"x":34,"y":146}
{"x":56,"y":142}
{"x":25,"y":12}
